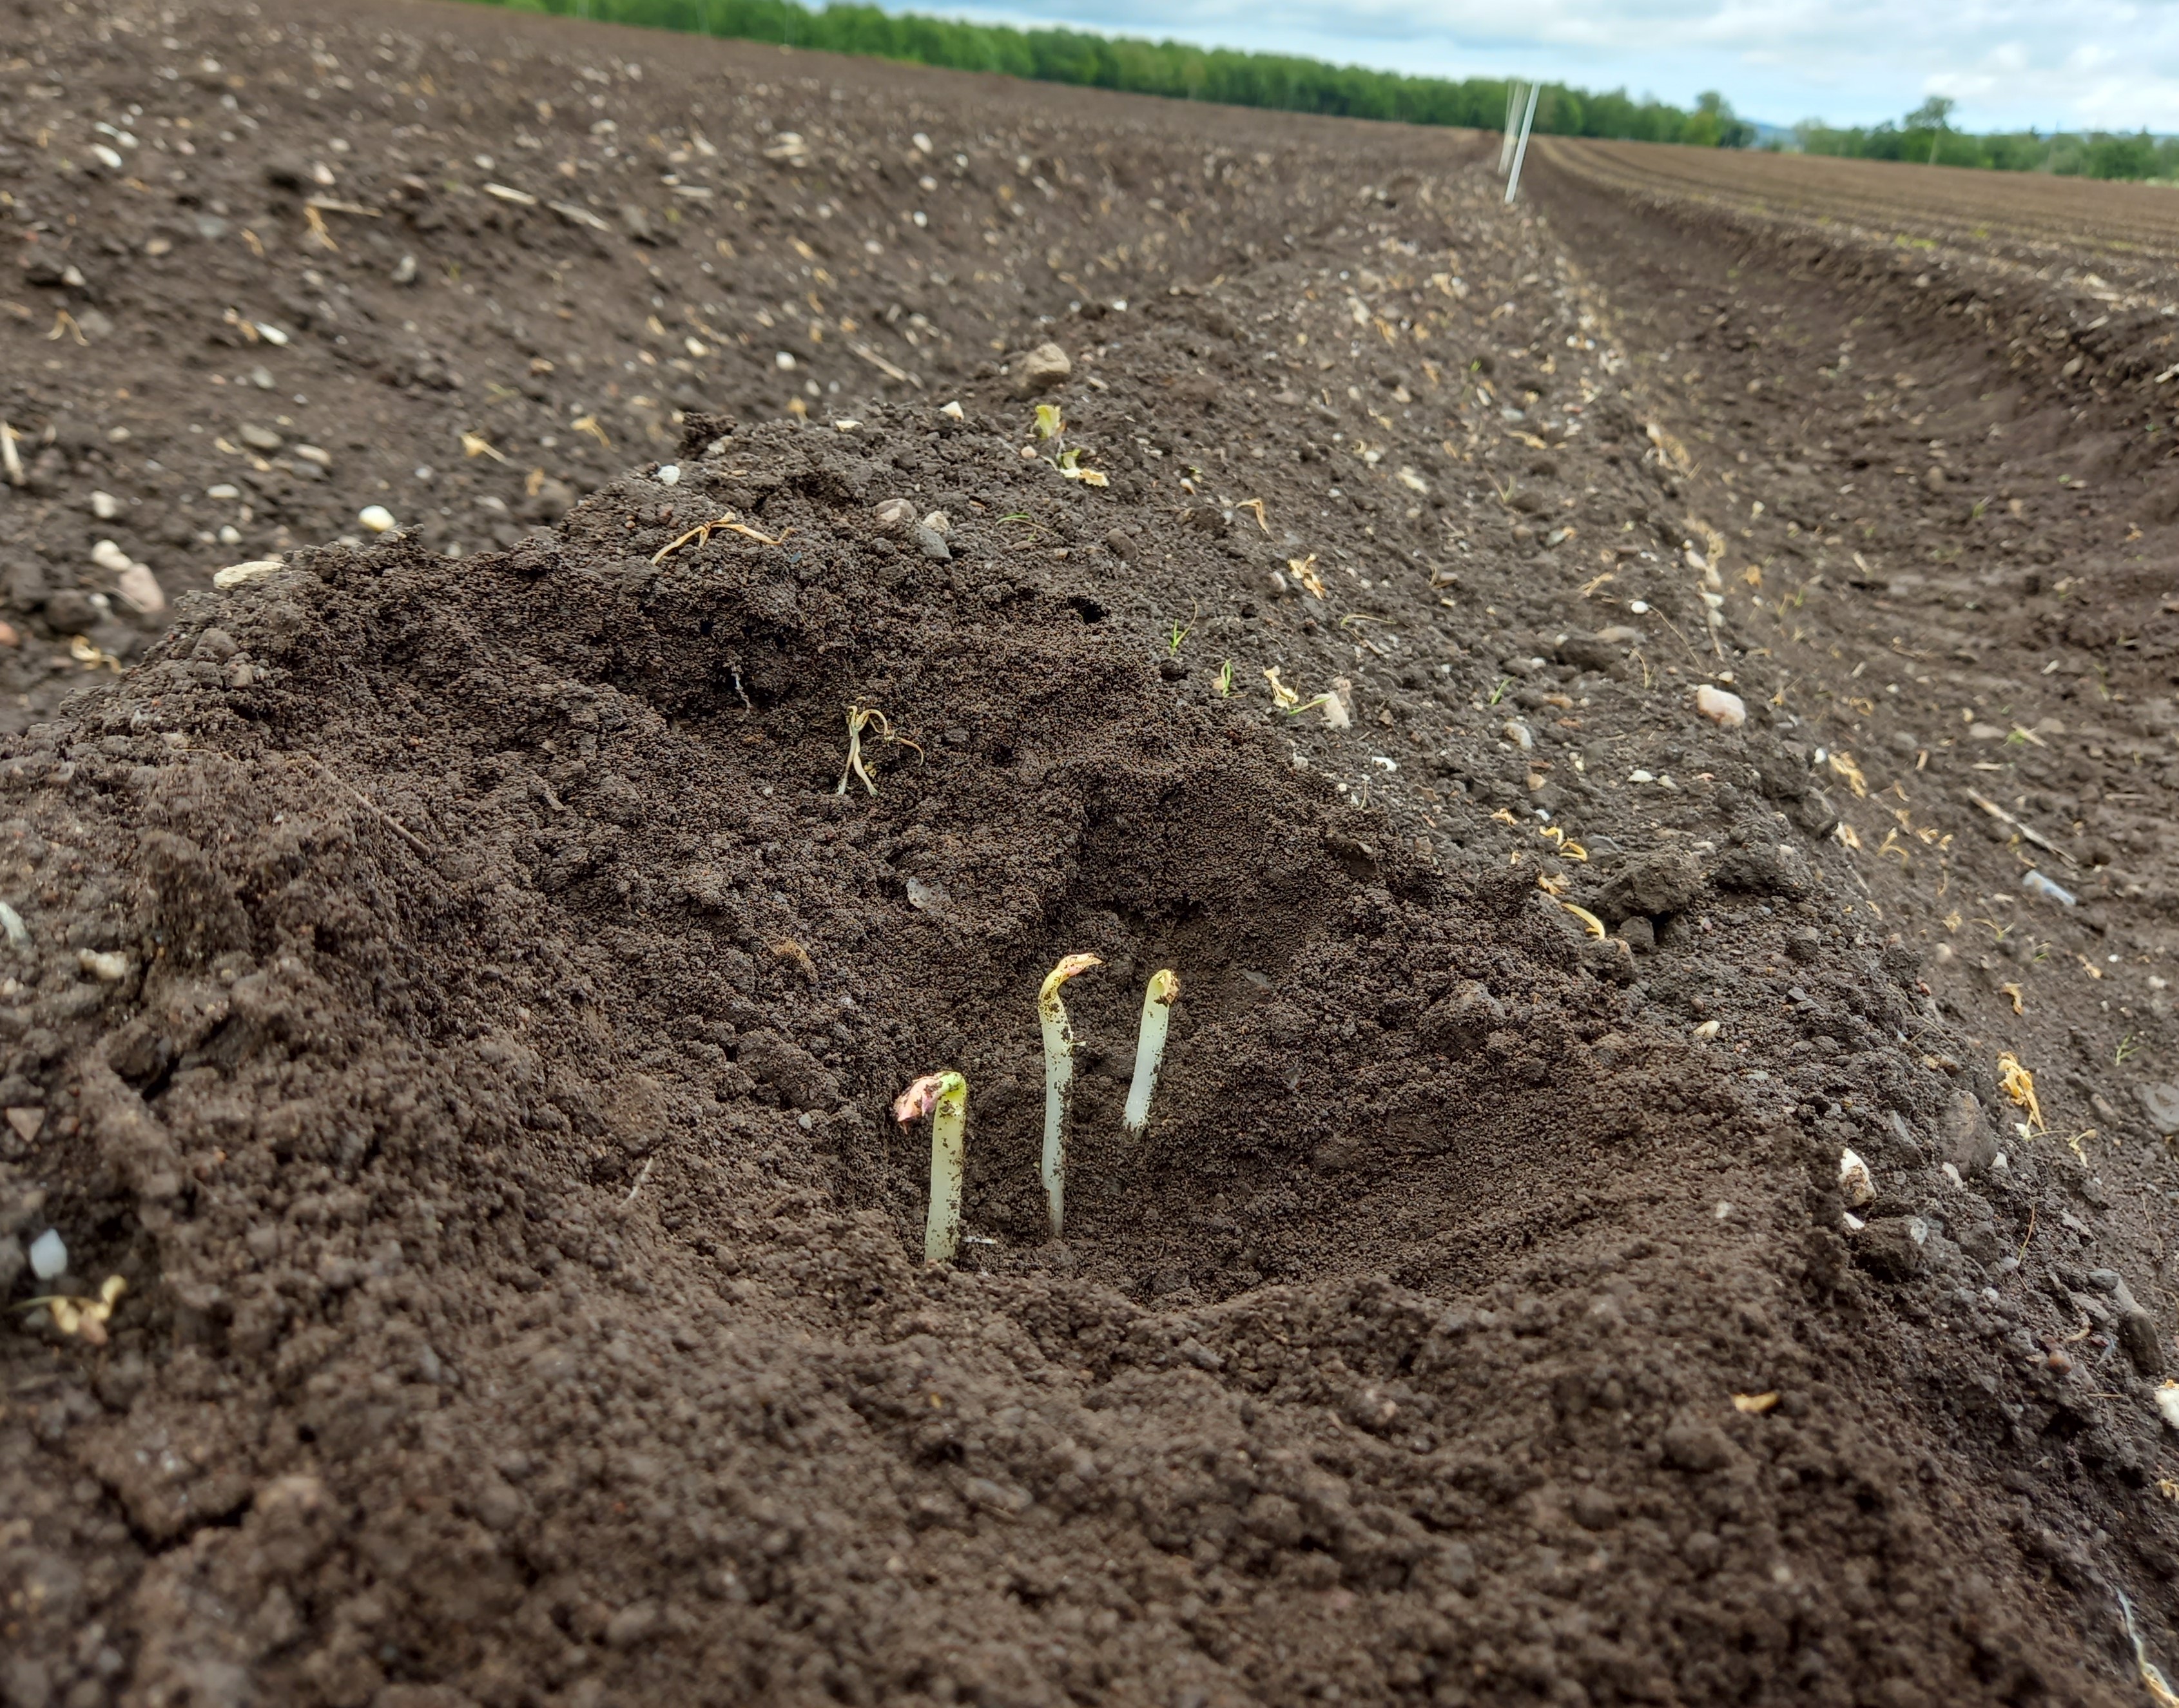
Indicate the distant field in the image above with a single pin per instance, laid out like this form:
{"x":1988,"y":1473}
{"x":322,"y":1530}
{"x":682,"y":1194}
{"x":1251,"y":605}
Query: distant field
{"x":2027,"y":215}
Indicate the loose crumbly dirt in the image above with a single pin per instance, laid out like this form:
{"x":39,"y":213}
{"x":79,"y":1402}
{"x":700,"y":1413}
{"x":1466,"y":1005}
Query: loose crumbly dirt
{"x":461,"y":1003}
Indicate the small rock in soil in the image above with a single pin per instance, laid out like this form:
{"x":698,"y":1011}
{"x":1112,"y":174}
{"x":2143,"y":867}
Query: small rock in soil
{"x":1662,"y":882}
{"x":1891,"y":1247}
{"x":1856,"y":1185}
{"x":1965,"y":1137}
{"x":49,"y":1256}
{"x":1691,"y":1445}
{"x":1726,"y":711}
{"x":1043,"y":368}
{"x":2159,"y":1102}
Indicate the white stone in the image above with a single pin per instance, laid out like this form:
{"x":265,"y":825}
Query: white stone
{"x":2167,"y":1397}
{"x":140,"y":590}
{"x":1856,"y":1185}
{"x":1726,"y":711}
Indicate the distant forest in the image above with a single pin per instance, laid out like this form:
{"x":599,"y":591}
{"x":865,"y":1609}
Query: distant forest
{"x":1925,"y":136}
{"x":1169,"y":68}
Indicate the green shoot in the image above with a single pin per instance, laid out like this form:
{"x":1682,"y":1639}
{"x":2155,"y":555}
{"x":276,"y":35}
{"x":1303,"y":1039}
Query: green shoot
{"x":1330,"y":704}
{"x":2128,"y":1048}
{"x":1289,"y":701}
{"x":1069,"y":464}
{"x":944,"y":1098}
{"x":1498,"y":693}
{"x":1050,"y":430}
{"x":1058,"y":1081}
{"x":1181,"y":631}
{"x":1150,"y":1049}
{"x":1226,"y":680}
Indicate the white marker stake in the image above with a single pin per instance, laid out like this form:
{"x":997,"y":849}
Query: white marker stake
{"x":1512,"y":122}
{"x":1521,"y":149}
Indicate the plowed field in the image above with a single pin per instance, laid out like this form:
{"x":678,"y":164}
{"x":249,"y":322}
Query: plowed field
{"x":2059,"y":223}
{"x":1644,"y":727}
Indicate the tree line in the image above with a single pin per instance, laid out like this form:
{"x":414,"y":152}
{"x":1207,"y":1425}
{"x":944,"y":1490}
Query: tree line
{"x":1925,"y":137}
{"x":1284,"y":82}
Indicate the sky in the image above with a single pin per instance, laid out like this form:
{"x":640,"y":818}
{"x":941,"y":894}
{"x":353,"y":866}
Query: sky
{"x":2053,"y":64}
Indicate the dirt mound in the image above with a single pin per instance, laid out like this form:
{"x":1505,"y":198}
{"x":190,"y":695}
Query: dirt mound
{"x":491,"y":1123}
{"x":460,"y":996}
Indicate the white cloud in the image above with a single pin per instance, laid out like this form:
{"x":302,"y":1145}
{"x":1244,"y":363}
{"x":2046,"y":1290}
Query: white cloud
{"x":2010,"y":63}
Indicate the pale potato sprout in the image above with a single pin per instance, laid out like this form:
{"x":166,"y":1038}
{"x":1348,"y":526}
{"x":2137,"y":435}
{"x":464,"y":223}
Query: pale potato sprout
{"x":1058,"y":1081}
{"x":85,"y":1318}
{"x":944,"y":1097}
{"x":859,"y":718}
{"x":1150,"y":1049}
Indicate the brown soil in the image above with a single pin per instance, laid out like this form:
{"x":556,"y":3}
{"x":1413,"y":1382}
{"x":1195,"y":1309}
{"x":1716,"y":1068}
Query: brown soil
{"x":460,"y":1004}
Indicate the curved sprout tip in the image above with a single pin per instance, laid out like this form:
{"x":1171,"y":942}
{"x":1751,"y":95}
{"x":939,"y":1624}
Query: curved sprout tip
{"x":920,"y":1098}
{"x":1067,"y":968}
